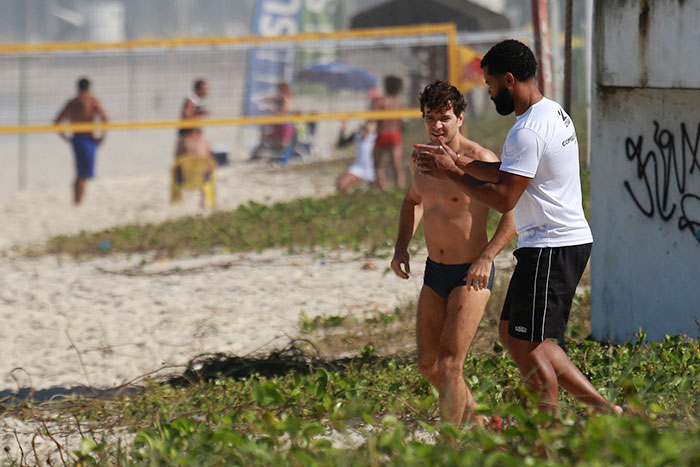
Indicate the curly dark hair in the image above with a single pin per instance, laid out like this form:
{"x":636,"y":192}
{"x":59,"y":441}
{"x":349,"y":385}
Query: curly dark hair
{"x":441,"y":95}
{"x":392,"y":85}
{"x":511,"y":56}
{"x":83,"y":84}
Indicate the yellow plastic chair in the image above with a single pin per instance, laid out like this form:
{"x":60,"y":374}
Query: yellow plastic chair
{"x":193,"y":172}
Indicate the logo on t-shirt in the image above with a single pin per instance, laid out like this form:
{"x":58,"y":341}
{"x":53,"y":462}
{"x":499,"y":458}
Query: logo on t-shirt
{"x":564,"y":118}
{"x":568,"y":140}
{"x":520,"y":329}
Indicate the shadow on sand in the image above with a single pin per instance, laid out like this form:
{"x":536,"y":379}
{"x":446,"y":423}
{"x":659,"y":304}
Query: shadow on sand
{"x":208,"y":367}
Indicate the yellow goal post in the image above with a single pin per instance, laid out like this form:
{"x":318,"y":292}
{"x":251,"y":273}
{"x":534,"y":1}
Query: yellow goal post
{"x":143,"y":83}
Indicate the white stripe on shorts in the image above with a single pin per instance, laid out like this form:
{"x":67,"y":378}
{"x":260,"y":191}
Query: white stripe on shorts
{"x":546,"y":290}
{"x":534,"y":296}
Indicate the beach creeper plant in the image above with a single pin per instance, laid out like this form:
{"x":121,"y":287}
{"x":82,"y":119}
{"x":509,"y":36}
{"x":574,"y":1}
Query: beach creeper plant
{"x":380,"y":411}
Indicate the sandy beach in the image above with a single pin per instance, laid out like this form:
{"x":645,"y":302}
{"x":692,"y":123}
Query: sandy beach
{"x":96,"y":323}
{"x":70,"y":325}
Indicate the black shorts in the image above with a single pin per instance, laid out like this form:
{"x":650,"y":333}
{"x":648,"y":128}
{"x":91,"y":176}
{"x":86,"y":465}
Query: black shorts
{"x":442,"y":278}
{"x":543,"y":285}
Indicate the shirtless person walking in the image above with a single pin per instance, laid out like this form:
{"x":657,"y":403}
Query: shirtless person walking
{"x":459,"y":270}
{"x":389,"y":134}
{"x":84,"y":108}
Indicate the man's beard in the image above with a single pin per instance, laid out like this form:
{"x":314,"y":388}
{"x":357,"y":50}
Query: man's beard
{"x":505,"y":105}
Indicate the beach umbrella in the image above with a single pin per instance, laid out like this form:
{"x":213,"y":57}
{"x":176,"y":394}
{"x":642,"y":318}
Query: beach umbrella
{"x":337,"y":75}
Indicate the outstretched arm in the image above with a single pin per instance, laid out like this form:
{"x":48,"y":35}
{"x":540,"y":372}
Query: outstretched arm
{"x":501,"y":194}
{"x":474,"y":160}
{"x":480,"y":270}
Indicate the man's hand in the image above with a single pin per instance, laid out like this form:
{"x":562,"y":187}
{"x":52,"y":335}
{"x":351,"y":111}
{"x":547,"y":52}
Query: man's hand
{"x":436,"y":161}
{"x":479,"y":274}
{"x":401,"y":258}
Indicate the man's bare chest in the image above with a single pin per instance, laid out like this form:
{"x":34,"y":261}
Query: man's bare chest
{"x":442,"y":195}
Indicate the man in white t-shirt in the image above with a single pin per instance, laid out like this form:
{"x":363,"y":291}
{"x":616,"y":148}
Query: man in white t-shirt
{"x":193,"y":107}
{"x":538,"y":177}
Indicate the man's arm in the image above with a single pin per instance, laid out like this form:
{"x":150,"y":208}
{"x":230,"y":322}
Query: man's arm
{"x":188,"y":110}
{"x":343,"y":139}
{"x":103,"y":116}
{"x":481,"y":170}
{"x":61,"y":116}
{"x":480,"y":269}
{"x":409,"y":218}
{"x":475,"y":160}
{"x":501,"y":195}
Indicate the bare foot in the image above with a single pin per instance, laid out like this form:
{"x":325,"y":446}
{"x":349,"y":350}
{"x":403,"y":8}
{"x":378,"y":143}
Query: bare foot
{"x":610,"y":409}
{"x":492,"y":423}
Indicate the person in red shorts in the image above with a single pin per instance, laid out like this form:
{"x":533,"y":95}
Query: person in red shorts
{"x":389,"y":134}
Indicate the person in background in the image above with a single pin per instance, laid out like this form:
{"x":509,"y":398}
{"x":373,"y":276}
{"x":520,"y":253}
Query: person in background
{"x":193,"y":108}
{"x":281,"y":104}
{"x":84,"y":108}
{"x":362,"y":169}
{"x":193,"y":144}
{"x":389,"y":133}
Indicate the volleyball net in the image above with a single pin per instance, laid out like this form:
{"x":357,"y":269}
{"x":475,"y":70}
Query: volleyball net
{"x":142,"y":84}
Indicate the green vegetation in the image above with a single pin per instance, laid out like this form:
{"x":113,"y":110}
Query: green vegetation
{"x":295,"y":408}
{"x":364,"y":220}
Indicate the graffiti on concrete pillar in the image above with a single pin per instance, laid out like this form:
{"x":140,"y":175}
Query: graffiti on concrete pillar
{"x":666,"y":166}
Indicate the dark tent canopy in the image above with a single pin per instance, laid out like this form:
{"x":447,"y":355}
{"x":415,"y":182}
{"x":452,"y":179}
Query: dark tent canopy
{"x":466,"y":15}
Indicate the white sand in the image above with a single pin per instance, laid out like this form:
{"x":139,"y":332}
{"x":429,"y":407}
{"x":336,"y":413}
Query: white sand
{"x":57,"y":311}
{"x":69,"y":324}
{"x":123,"y":326}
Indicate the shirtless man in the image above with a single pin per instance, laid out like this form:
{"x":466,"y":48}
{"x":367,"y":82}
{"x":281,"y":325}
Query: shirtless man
{"x":389,"y":134}
{"x":193,"y":143}
{"x":459,"y":270}
{"x":84,"y":108}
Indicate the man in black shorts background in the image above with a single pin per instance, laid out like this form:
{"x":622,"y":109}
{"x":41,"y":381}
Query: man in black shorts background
{"x":538,"y":177}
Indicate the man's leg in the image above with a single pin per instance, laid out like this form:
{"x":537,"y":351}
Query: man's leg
{"x":429,"y":323}
{"x":545,"y":367}
{"x":397,"y":161}
{"x":503,"y":336}
{"x":380,"y":179}
{"x":346,"y":181}
{"x":79,"y":189}
{"x":465,"y":308}
{"x":537,"y":370}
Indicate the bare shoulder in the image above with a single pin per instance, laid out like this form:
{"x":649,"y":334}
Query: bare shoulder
{"x":477,"y":151}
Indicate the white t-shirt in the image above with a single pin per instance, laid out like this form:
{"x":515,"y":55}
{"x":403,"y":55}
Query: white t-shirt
{"x":542,"y":145}
{"x":363,"y":167}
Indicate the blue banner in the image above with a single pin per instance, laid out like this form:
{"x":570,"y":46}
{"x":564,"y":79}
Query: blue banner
{"x":268,"y":67}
